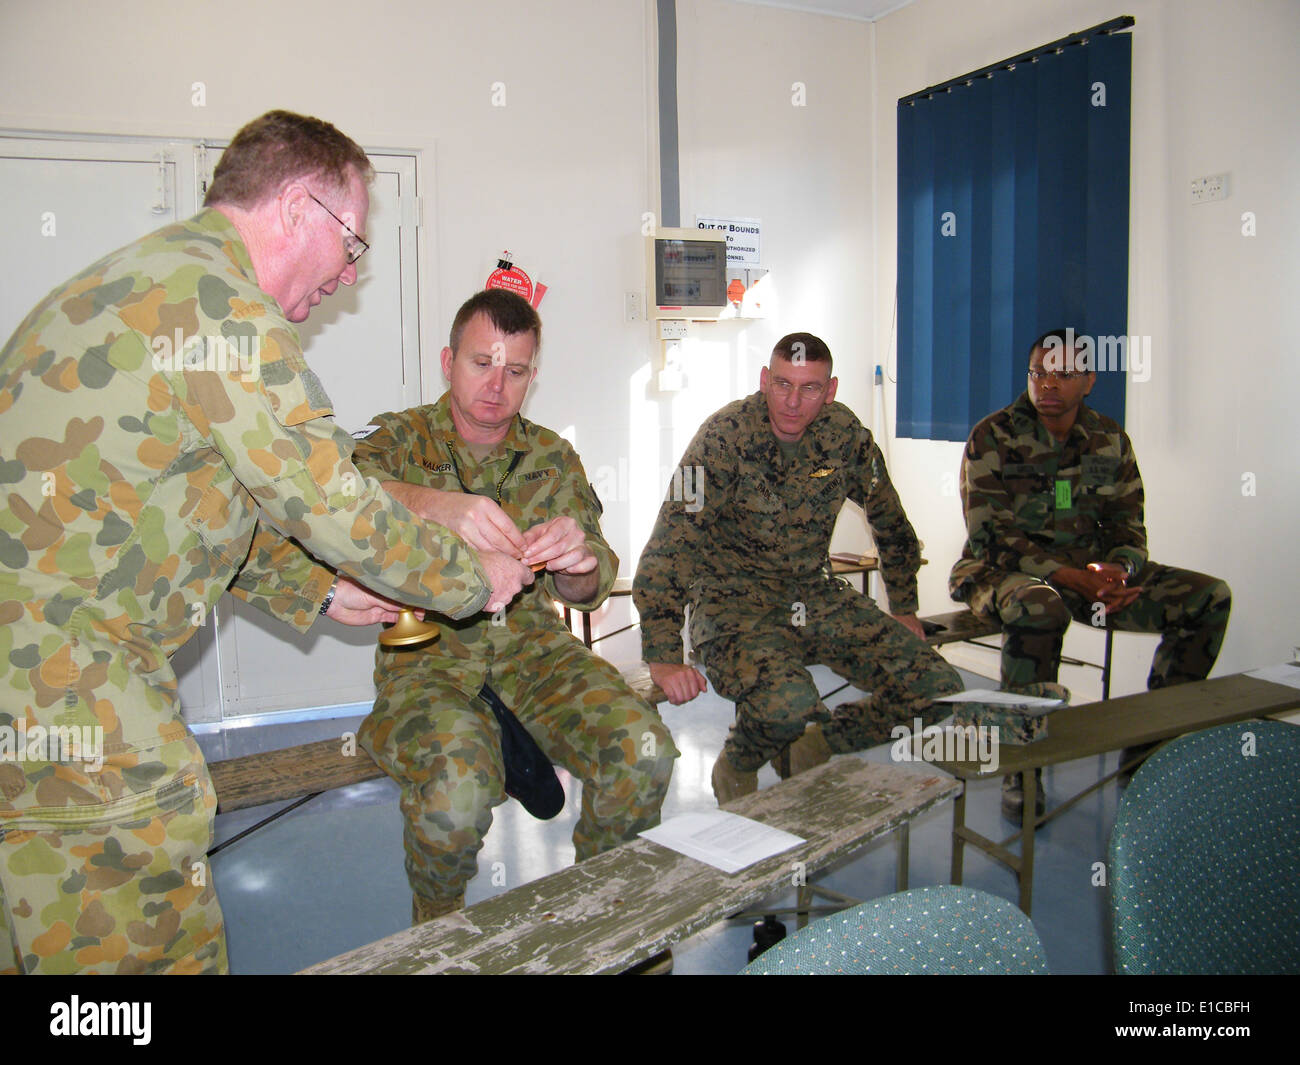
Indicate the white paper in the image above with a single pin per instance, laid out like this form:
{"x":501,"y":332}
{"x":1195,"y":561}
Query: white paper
{"x":1287,"y":673}
{"x":723,"y":840}
{"x":744,"y":239}
{"x":987,"y":695}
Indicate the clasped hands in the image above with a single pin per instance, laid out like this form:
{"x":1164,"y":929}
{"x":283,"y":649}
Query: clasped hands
{"x":1101,"y":582}
{"x":509,"y":556}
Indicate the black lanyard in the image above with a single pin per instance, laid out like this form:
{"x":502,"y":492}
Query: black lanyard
{"x":504,"y":477}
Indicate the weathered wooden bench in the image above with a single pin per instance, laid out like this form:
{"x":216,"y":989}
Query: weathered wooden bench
{"x":290,"y":773}
{"x":626,"y":905}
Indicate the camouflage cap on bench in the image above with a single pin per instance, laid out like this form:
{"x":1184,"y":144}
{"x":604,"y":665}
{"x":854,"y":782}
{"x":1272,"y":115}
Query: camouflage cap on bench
{"x":1016,"y":725}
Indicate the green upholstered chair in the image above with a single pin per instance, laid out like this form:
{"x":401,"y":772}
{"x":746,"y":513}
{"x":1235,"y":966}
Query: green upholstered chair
{"x":1205,"y":855}
{"x":946,"y":929}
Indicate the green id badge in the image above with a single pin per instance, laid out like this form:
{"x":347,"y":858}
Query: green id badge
{"x":1064,"y":500}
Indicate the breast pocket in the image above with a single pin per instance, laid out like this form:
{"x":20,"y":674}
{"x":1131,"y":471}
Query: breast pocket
{"x":1097,"y":488}
{"x":763,"y":515}
{"x":1032,"y":491}
{"x":220,"y":512}
{"x":530,"y":493}
{"x":824,"y":491}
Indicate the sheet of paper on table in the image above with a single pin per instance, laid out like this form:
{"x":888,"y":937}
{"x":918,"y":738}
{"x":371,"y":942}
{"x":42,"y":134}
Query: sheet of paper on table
{"x":988,"y":695}
{"x":725,"y":841}
{"x":1286,"y":673}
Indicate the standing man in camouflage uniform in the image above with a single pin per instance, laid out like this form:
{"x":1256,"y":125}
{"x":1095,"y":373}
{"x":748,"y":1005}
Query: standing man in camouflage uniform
{"x":145,"y":466}
{"x":1053,"y":504}
{"x":472,"y":463}
{"x":750,"y":554}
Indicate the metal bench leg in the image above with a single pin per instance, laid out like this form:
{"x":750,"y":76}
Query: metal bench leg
{"x":805,"y":902}
{"x":958,"y":824}
{"x":218,"y":848}
{"x":904,"y":847}
{"x":1105,"y":668}
{"x":1028,"y":823}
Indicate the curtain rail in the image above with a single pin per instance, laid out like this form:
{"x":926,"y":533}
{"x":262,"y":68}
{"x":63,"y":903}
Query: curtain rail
{"x":1113,"y":26}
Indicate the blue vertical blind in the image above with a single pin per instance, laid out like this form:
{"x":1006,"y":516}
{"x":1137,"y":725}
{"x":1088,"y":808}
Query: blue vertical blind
{"x":1013,"y":189}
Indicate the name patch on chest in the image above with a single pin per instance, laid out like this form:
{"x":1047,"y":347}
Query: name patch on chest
{"x":442,"y":467}
{"x":538,"y":475}
{"x":1099,"y":469}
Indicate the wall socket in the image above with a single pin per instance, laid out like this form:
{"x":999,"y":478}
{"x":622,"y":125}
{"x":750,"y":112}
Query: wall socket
{"x":672,"y":329}
{"x":1211,"y":188}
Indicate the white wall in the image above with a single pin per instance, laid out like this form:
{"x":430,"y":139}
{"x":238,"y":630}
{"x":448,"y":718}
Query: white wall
{"x":1214,"y":89}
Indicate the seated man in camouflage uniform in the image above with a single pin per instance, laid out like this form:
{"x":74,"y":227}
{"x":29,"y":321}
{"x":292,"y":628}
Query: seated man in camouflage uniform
{"x":1053,"y":505}
{"x":750,"y":554}
{"x":471,"y":463}
{"x":145,"y":469}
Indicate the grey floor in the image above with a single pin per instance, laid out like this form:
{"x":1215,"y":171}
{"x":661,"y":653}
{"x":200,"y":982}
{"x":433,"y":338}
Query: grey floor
{"x":328,"y":876}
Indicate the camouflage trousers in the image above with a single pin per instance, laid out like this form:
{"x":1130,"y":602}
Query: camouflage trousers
{"x":1189,"y":609}
{"x":108,"y":872}
{"x":442,"y":745}
{"x":762,"y":672}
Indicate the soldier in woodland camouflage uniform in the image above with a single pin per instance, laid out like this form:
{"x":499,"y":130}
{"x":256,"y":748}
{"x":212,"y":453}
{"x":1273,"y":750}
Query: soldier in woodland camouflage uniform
{"x":472,"y":463}
{"x":145,"y":466}
{"x":1053,"y":504}
{"x":1049,"y":488}
{"x":750,"y":556}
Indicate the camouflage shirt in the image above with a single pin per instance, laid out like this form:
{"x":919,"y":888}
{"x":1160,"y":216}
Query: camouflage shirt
{"x":754,"y":535}
{"x":1033,"y":505}
{"x":535,"y":475}
{"x":156,"y":421}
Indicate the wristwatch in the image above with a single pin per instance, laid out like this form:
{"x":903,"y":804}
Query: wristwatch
{"x":329,"y":597}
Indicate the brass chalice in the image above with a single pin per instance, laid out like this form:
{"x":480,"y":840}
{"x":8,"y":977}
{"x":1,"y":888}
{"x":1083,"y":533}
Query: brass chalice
{"x":406,"y":631}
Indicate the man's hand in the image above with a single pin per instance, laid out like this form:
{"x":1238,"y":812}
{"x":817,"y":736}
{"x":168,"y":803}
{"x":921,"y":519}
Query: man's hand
{"x":681,"y":683}
{"x":1101,"y":582}
{"x":1114,"y":594}
{"x":507,"y":575}
{"x":1109,"y":571}
{"x":911,"y":623}
{"x":354,"y":605}
{"x":562,"y":546}
{"x":475,"y":519}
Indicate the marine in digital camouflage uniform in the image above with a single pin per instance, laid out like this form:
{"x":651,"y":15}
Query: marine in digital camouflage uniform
{"x":750,"y":555}
{"x":1049,"y":487}
{"x":429,"y":729}
{"x":137,"y":486}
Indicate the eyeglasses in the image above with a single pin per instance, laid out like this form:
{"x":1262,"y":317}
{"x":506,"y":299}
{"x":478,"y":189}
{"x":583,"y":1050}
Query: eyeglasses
{"x":810,"y":390}
{"x":353,"y":245}
{"x":1059,"y":375}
